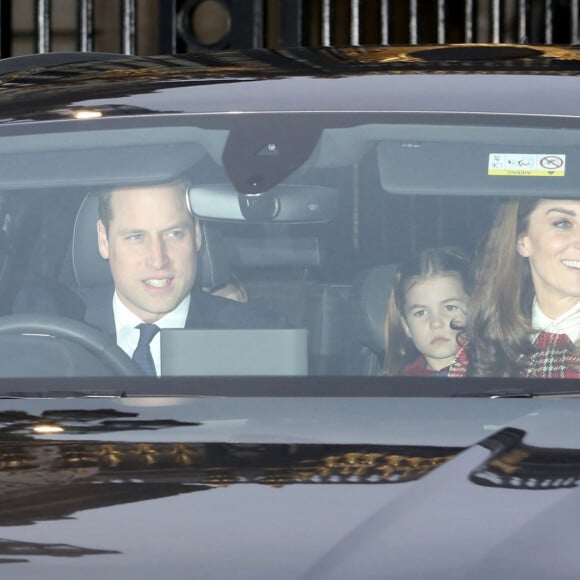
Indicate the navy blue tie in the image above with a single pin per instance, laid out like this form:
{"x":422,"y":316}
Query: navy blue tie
{"x":142,"y":355}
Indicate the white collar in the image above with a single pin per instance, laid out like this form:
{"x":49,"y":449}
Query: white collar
{"x":567,"y":323}
{"x":128,"y":335}
{"x":125,"y":318}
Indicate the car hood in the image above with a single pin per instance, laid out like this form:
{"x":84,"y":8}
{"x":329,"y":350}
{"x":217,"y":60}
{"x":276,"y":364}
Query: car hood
{"x":101,"y":490}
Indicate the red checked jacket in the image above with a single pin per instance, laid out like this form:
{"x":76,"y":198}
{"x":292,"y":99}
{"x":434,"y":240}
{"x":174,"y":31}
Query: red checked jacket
{"x":553,"y":358}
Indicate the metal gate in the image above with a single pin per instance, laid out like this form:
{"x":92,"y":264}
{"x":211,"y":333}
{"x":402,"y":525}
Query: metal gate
{"x":166,"y":26}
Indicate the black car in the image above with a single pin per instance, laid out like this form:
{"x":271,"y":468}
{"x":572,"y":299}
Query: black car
{"x":310,"y":177}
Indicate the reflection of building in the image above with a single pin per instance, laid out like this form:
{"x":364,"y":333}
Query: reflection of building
{"x":13,"y":552}
{"x":42,"y":480}
{"x":25,"y":466}
{"x":515,"y":465}
{"x":51,"y":479}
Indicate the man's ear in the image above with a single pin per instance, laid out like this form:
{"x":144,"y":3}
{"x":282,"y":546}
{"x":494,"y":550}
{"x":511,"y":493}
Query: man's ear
{"x":102,"y":240}
{"x":197,"y":234}
{"x":522,"y":246}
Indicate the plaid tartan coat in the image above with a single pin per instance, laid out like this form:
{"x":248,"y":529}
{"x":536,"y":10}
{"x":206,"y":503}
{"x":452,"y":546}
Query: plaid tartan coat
{"x":553,"y":358}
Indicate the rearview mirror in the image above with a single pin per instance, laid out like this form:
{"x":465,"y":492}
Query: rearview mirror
{"x":283,"y":203}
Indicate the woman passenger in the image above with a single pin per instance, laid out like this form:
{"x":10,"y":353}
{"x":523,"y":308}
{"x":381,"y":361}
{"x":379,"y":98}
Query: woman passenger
{"x":524,"y":317}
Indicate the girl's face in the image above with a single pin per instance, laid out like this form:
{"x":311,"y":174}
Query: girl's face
{"x":552,"y":245}
{"x":431,"y":306}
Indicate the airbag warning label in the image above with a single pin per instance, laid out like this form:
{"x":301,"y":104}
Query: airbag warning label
{"x":527,"y":164}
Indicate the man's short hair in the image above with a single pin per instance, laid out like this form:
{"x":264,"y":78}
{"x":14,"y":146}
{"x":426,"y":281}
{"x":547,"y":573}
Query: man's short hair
{"x":106,"y":208}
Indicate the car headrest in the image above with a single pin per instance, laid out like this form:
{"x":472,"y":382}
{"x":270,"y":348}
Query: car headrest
{"x":213,"y":268}
{"x":370,"y":292}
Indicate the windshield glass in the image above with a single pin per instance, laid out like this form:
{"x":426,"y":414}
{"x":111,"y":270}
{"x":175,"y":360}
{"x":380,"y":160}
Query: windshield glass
{"x":293,"y":245}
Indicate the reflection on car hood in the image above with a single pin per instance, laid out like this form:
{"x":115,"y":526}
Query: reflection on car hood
{"x":105,"y":490}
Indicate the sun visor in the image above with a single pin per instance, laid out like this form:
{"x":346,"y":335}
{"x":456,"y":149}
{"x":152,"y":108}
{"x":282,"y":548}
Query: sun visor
{"x":284,"y":203}
{"x":66,"y":154}
{"x":101,"y":166}
{"x":471,"y":168}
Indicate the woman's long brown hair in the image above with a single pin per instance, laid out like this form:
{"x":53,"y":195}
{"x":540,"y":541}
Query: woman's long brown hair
{"x":498,"y":324}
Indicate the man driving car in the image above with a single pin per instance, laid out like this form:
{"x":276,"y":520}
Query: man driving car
{"x":151,"y":242}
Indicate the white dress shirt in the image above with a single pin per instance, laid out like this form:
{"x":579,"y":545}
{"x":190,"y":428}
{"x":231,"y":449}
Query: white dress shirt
{"x":128,"y":334}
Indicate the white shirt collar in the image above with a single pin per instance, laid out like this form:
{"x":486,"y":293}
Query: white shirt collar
{"x":567,"y":323}
{"x":128,"y":334}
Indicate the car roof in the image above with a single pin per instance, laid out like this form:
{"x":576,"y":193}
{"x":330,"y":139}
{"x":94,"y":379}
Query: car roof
{"x":365,"y":79}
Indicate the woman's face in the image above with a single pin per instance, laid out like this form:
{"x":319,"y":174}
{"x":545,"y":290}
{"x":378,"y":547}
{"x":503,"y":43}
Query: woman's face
{"x":552,"y":245}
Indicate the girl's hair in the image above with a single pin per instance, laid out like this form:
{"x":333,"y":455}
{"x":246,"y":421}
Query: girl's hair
{"x":399,"y":348}
{"x":498,"y":325}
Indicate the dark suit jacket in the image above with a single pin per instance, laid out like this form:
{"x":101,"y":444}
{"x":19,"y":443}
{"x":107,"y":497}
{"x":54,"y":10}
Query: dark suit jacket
{"x":95,"y":306}
{"x":205,"y":311}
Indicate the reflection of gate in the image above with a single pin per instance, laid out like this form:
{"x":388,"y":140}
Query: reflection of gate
{"x":164,"y":26}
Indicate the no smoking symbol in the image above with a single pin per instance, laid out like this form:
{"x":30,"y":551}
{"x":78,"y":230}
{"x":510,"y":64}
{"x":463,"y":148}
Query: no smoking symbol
{"x":551,"y":162}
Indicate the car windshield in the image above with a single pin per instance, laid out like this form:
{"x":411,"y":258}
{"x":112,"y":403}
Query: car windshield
{"x":287,"y":244}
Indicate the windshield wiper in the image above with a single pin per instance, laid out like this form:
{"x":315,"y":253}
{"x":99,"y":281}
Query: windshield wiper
{"x":519,"y":394}
{"x":105,"y":394}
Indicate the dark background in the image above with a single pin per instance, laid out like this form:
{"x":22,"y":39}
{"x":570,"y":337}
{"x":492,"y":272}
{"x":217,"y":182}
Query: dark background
{"x":147,"y":27}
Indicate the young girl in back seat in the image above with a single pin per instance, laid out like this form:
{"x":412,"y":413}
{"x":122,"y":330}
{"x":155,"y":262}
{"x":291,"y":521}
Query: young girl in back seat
{"x":426,"y":312}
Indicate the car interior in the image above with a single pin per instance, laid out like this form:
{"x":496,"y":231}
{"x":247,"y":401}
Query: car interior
{"x":311,"y":218}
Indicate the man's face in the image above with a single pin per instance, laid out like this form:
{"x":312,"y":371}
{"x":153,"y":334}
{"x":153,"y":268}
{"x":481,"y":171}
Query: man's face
{"x":151,"y":246}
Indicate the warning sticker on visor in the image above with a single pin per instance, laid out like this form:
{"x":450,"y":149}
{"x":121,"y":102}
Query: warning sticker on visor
{"x":527,"y":164}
